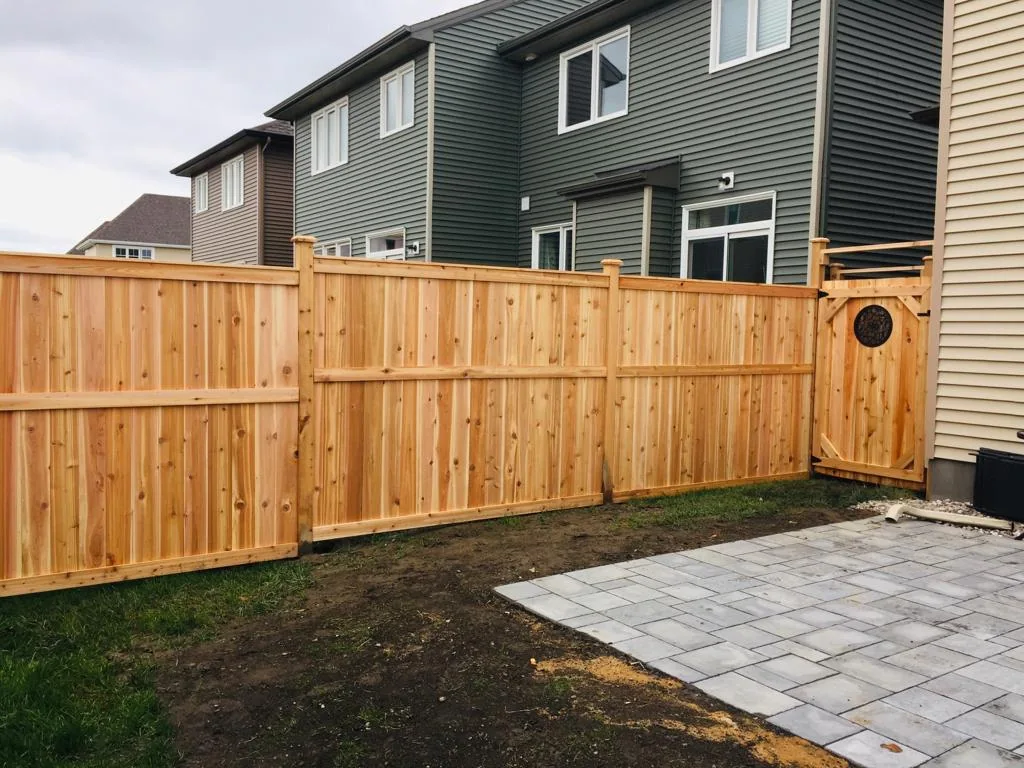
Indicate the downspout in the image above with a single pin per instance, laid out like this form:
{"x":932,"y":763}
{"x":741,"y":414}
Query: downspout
{"x":822,"y":123}
{"x":260,"y":234}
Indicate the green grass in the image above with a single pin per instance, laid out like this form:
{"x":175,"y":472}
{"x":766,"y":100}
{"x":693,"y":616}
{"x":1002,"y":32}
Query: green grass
{"x":76,"y":689}
{"x":744,"y":502}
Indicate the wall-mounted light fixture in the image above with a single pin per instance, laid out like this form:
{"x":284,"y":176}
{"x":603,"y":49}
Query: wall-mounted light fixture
{"x":726,"y":181}
{"x":413,"y":249}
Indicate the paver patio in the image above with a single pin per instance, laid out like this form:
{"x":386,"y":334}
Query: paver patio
{"x":893,"y":646}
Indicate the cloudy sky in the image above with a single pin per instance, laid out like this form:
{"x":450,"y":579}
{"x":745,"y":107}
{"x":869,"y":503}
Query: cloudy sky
{"x":99,"y":99}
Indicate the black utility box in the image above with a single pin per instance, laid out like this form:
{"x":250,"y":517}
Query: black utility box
{"x":999,"y":484}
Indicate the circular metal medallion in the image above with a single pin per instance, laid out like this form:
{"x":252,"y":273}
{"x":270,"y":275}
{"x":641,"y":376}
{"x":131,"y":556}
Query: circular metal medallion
{"x":873,"y":326}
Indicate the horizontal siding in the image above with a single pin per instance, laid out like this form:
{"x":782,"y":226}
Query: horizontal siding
{"x":980,"y":392}
{"x":476,"y":130}
{"x":663,"y":227}
{"x":881,"y":164}
{"x":756,"y":119}
{"x":383,"y":185}
{"x":229,"y":237}
{"x":278,"y":212}
{"x":610,"y":227}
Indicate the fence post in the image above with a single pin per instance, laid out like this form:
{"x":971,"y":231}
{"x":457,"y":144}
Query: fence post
{"x":612,"y":268}
{"x":819,"y":268}
{"x":819,"y":259}
{"x":303,"y":253}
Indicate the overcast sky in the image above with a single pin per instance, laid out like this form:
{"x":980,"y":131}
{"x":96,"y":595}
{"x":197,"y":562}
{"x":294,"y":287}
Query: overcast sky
{"x":99,"y":99}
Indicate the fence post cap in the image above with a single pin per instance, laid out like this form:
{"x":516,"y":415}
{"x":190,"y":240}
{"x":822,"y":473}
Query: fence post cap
{"x":820,"y":240}
{"x":304,"y":239}
{"x":611,"y":263}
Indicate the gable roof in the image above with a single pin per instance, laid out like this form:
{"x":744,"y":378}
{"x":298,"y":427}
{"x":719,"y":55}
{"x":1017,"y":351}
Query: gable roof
{"x":563,"y":32}
{"x":150,"y":220}
{"x":274,"y":130}
{"x":386,"y":54}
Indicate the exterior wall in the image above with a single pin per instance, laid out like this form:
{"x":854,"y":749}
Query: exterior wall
{"x":881,"y":165}
{"x":179,"y":255}
{"x":756,"y":119}
{"x":610,"y":227}
{"x":476,"y":135}
{"x":229,"y":237}
{"x":384,"y":184}
{"x":664,"y":253}
{"x":278,"y":210}
{"x":978,"y":349}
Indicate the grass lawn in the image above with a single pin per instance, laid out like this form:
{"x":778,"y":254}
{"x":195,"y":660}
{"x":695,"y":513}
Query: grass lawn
{"x":101,"y":677}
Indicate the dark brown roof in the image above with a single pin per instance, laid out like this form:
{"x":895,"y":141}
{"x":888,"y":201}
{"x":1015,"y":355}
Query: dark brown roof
{"x":275,"y":130}
{"x":150,"y":220}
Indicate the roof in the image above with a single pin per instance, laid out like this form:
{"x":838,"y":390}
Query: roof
{"x":588,"y":21}
{"x":926,"y":116}
{"x":656,"y":173}
{"x":386,"y":54}
{"x":231,"y":146}
{"x":150,"y":220}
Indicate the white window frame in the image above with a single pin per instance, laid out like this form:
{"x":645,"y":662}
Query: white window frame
{"x":240,"y":162}
{"x":343,"y":136}
{"x":202,"y":202}
{"x":397,"y":75}
{"x":142,"y":249}
{"x":752,"y":52}
{"x":595,"y":82}
{"x":396,"y":254}
{"x":566,"y":262}
{"x":332,"y":250}
{"x":734,"y":231}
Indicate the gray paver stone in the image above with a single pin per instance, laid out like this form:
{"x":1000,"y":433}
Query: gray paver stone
{"x":836,"y":640}
{"x":875,"y":672}
{"x":646,"y":648}
{"x":521,"y":591}
{"x":746,"y":694}
{"x":994,"y":729}
{"x":684,"y":637}
{"x":610,"y":631}
{"x":719,"y":659}
{"x":911,"y":632}
{"x":913,"y":730}
{"x":930,"y":660}
{"x":981,"y":626}
{"x":782,"y":626}
{"x":800,"y":671}
{"x":676,"y":670}
{"x":868,"y":749}
{"x":920,"y":701}
{"x":564,"y":586}
{"x":642,"y":613}
{"x":977,"y":754}
{"x":965,"y":689}
{"x":600,"y":601}
{"x":815,"y":724}
{"x":839,"y":693}
{"x":746,"y":636}
{"x":553,"y":607}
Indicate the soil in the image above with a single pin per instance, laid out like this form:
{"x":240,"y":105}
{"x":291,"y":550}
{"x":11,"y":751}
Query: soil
{"x":401,"y":655}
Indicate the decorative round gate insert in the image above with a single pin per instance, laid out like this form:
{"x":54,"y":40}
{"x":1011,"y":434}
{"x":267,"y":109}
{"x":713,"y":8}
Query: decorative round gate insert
{"x":873,"y":326}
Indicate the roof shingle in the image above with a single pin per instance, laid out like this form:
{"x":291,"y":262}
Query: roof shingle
{"x":150,"y":220}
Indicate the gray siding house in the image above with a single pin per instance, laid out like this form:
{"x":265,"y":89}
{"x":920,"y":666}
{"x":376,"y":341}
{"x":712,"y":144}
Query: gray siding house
{"x":706,"y":139}
{"x":242,"y":193}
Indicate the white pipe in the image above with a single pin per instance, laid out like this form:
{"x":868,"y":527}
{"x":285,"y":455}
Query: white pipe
{"x":898,"y":511}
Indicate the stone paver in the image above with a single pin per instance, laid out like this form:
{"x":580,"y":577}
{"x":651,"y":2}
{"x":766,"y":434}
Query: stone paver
{"x":892,"y":646}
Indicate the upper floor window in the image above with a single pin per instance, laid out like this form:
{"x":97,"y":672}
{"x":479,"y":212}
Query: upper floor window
{"x":730,"y":239}
{"x":386,"y":245}
{"x":202,"y":192}
{"x":131,"y":252}
{"x":397,"y":100}
{"x":329,"y":128}
{"x":594,"y":82}
{"x":232,"y":178}
{"x":748,"y":29}
{"x":342,"y":249}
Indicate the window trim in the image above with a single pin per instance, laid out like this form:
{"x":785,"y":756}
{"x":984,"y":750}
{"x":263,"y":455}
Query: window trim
{"x":569,"y":259}
{"x":397,"y":75}
{"x":393,"y":255}
{"x":240,"y":160}
{"x":320,"y":250}
{"x":139,"y":248}
{"x":203,"y":177}
{"x":563,"y":83}
{"x":752,"y":229}
{"x":752,"y":52}
{"x":343,"y":146}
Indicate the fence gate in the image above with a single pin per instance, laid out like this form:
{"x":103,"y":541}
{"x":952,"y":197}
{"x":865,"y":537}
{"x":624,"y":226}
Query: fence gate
{"x":871,"y":372}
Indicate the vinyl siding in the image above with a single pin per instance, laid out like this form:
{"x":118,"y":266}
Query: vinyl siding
{"x":179,"y":255}
{"x":229,"y":237}
{"x":882,"y":164}
{"x":756,"y":119}
{"x":382,"y":187}
{"x":610,"y":227}
{"x":663,"y":226}
{"x":478,"y":99}
{"x":980,"y":389}
{"x":278,"y":213}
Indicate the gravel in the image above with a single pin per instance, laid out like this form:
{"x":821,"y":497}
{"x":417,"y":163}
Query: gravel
{"x":935,"y":505}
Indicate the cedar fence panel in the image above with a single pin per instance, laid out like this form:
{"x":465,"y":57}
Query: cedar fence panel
{"x":147,"y":419}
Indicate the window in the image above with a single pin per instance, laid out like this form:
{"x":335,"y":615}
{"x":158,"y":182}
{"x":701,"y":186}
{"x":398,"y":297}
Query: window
{"x":552,"y":247}
{"x":748,"y":29}
{"x":397,"y":100}
{"x":202,"y":192}
{"x":730,"y":240}
{"x":386,"y":245}
{"x":339,"y":250}
{"x":329,"y":129}
{"x":132,"y":252}
{"x":232,"y":177}
{"x":594,"y":84}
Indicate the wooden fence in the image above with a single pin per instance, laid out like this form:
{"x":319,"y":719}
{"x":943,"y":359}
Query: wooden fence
{"x":157,"y":418}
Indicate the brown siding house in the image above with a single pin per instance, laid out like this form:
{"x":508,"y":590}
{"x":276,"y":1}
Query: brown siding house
{"x":242,"y":198}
